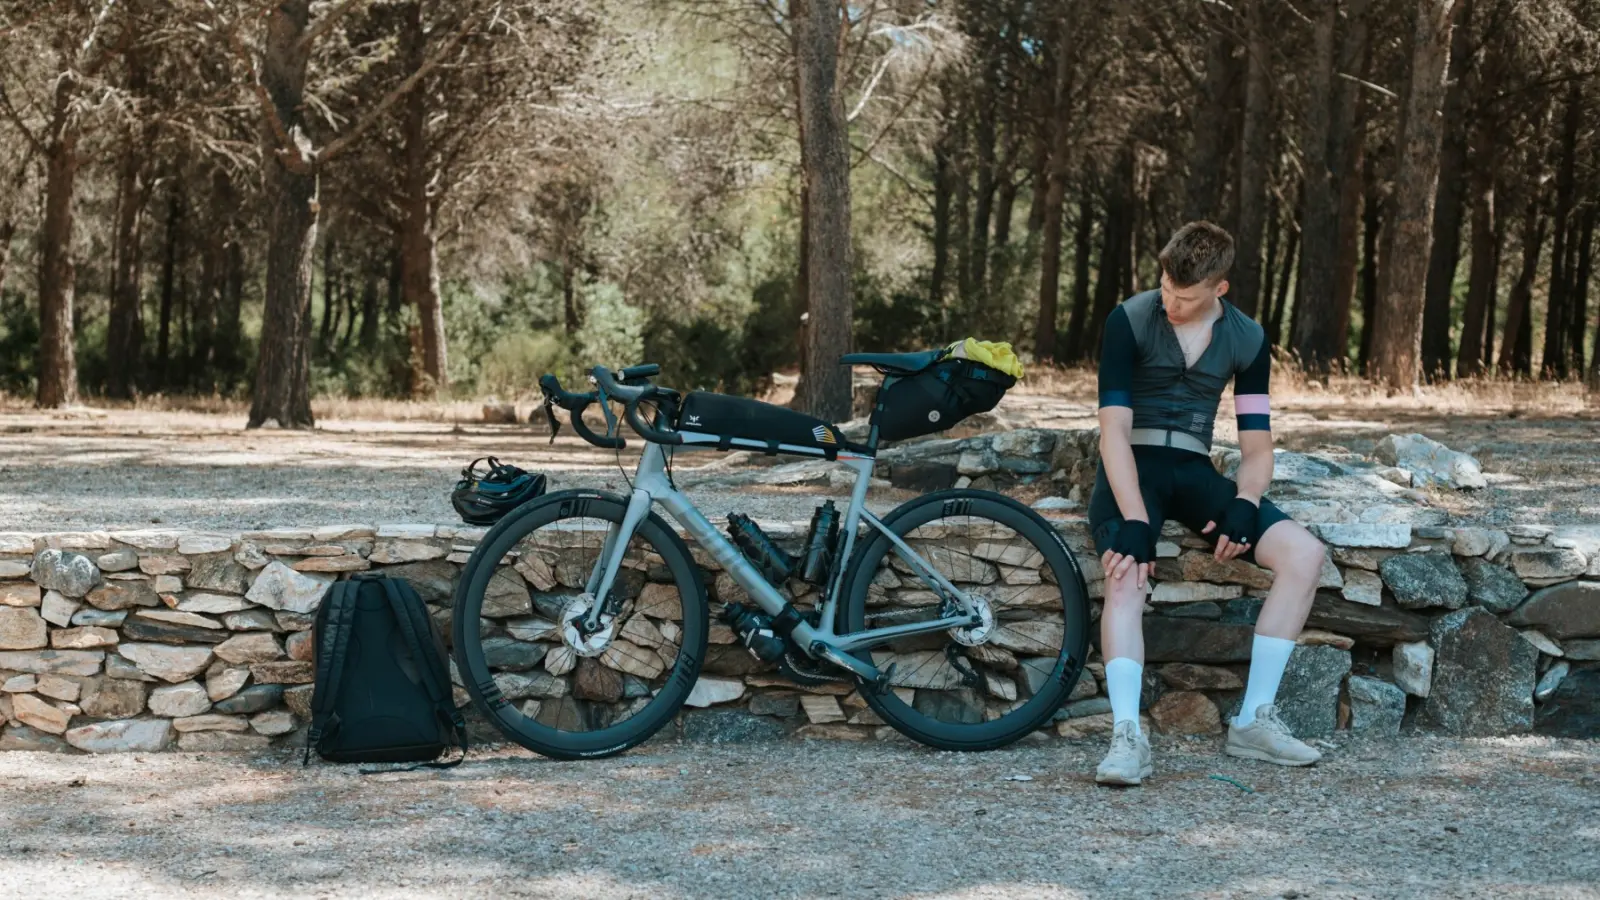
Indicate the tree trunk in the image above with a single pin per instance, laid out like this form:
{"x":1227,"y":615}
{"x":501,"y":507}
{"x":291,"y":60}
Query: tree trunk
{"x":329,"y":325}
{"x":1483,"y":271}
{"x":1501,"y":224}
{"x":1254,"y":161}
{"x":1397,"y":341}
{"x":229,"y":336}
{"x":348,"y":289}
{"x":213,"y":264}
{"x":1554,"y":363}
{"x":282,"y":390}
{"x":1082,"y":239}
{"x":369,"y":311}
{"x":57,"y":363}
{"x":168,"y":284}
{"x":124,"y":333}
{"x":419,"y":265}
{"x":1578,"y":296}
{"x":1348,"y":152}
{"x":1270,"y":261}
{"x":1044,"y":332}
{"x":1516,"y":346}
{"x":1315,"y":318}
{"x":1112,"y":286}
{"x":983,"y":203}
{"x":1208,"y":163}
{"x":571,"y":321}
{"x":1445,"y":255}
{"x":1372,"y":223}
{"x":943,"y":188}
{"x":1275,"y":324}
{"x":824,"y":388}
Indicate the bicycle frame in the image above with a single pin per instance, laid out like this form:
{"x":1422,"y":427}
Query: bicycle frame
{"x":651,"y":486}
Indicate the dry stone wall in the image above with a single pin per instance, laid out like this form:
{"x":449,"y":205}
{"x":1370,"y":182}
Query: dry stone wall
{"x":152,"y":640}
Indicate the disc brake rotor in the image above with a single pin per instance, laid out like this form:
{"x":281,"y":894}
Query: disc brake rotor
{"x":583,"y":642}
{"x":973,"y":635}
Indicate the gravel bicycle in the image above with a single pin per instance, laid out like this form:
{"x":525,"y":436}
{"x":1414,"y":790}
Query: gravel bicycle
{"x":582,"y":621}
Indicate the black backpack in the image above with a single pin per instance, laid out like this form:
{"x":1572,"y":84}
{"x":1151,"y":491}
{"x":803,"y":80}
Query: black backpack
{"x":383,"y":688}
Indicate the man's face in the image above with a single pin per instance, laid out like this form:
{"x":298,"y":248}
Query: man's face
{"x":1188,"y":304}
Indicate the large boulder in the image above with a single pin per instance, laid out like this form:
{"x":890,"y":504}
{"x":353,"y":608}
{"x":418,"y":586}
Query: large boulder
{"x":1421,"y":580}
{"x":1563,"y":611}
{"x":1483,"y":676}
{"x":1430,"y":462}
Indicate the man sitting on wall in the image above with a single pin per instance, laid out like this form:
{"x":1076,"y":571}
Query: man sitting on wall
{"x":1167,"y":356}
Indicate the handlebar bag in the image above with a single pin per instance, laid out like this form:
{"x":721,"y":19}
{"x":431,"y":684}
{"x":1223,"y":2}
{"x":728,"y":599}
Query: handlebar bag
{"x":938,"y":397}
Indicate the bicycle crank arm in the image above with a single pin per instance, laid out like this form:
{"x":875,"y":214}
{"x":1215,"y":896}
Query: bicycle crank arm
{"x":867,"y":672}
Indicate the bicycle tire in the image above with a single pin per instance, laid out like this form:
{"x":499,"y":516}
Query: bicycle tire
{"x":478,"y":677}
{"x":1048,"y":698}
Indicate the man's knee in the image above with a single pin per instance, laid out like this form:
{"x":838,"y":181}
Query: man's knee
{"x":1289,"y":548}
{"x":1124,"y":594}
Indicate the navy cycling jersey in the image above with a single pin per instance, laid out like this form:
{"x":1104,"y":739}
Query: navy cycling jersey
{"x":1142,"y":367}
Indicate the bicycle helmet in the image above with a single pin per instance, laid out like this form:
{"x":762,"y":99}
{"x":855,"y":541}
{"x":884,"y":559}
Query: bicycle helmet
{"x":485,"y":499}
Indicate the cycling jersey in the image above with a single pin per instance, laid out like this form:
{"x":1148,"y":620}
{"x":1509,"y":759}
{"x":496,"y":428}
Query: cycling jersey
{"x":1142,"y":367}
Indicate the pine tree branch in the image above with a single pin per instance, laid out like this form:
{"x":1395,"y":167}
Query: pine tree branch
{"x":371,"y":118}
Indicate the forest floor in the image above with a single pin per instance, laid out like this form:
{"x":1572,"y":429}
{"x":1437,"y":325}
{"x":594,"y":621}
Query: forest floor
{"x":191,"y":464}
{"x":1401,"y":817}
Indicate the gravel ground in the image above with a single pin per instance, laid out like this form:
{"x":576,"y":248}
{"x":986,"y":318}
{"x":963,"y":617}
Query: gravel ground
{"x":1421,"y":817}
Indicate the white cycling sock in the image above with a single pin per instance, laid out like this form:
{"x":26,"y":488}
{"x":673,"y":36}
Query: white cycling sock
{"x":1124,"y":679}
{"x":1268,"y":657}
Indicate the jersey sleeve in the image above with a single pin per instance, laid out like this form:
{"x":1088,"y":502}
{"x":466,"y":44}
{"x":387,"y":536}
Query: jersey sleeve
{"x":1118,"y":352}
{"x":1250,"y":387}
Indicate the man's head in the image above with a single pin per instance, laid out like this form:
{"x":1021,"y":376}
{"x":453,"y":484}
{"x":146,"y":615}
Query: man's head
{"x":1194,"y":270}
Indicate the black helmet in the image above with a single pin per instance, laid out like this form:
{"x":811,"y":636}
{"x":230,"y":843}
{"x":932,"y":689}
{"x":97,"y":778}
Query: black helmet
{"x":484,"y":499}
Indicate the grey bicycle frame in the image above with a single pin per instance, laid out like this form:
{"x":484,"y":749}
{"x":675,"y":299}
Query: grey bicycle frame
{"x":651,"y":485}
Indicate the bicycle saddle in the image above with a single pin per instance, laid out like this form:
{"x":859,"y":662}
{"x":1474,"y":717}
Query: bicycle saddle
{"x":893,"y":363}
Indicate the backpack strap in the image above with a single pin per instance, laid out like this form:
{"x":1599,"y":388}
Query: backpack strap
{"x":431,"y":669}
{"x":333,"y":624}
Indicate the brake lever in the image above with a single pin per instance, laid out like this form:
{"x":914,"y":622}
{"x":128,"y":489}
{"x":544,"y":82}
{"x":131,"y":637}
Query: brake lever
{"x":613,"y":427}
{"x":550,"y":413}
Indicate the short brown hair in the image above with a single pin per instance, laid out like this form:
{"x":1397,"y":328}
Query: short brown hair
{"x":1199,"y":251}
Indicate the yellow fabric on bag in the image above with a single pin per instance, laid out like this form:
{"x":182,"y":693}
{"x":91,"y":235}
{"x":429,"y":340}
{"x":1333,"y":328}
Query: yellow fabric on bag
{"x":997,"y":354}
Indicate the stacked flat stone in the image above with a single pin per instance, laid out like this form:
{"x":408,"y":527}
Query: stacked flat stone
{"x":150,"y":640}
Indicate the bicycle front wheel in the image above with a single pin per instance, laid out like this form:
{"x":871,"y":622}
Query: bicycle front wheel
{"x":986,"y":686}
{"x":551,"y":687}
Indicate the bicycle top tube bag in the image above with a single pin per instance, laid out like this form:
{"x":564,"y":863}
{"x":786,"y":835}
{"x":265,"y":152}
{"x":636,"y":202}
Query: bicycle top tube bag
{"x":751,"y":420}
{"x":961,"y":383}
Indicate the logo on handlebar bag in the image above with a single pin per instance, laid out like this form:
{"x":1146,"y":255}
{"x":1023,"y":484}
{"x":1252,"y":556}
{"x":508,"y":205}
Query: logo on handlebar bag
{"x":694,"y":420}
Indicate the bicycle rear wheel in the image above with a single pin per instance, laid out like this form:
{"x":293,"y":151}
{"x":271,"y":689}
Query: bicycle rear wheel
{"x":545,"y":685}
{"x":974,"y":688}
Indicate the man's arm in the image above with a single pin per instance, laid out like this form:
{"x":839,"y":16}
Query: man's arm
{"x":1118,"y":352}
{"x":1253,"y":413}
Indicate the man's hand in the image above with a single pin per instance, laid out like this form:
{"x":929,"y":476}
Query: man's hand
{"x":1129,"y":552}
{"x":1237,"y":530}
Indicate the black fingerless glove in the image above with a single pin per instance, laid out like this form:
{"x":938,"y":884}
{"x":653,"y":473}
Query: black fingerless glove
{"x":1238,"y":521}
{"x":1134,"y":539}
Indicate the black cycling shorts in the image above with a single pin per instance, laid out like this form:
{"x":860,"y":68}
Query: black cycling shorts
{"x":1177,"y":484}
